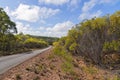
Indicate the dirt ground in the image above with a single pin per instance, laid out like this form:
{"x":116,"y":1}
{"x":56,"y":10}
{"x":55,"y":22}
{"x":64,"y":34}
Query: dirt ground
{"x":45,"y":67}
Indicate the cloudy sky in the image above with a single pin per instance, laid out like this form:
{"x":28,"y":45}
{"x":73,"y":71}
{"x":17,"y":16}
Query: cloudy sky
{"x":55,"y":17}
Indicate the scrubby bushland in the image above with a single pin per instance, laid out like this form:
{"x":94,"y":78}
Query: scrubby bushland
{"x":50,"y":40}
{"x":10,"y":42}
{"x":26,"y":41}
{"x":21,"y":43}
{"x":93,"y":39}
{"x":35,"y":43}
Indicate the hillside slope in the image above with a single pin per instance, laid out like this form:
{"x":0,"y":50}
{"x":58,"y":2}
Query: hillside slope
{"x":48,"y":66}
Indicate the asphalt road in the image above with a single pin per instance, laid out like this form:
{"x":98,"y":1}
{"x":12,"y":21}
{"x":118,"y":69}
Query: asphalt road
{"x":7,"y":62}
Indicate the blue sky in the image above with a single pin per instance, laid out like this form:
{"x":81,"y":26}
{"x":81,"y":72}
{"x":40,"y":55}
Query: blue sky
{"x":55,"y":17}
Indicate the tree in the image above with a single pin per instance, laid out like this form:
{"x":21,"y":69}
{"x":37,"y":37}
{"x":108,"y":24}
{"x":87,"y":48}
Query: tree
{"x":6,"y":25}
{"x":7,"y":28}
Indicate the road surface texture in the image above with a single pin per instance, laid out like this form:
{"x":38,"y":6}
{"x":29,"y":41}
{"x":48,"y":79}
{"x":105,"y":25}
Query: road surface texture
{"x":7,"y":62}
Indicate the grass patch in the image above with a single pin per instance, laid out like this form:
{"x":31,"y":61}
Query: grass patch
{"x":39,"y":68}
{"x":67,"y":67}
{"x":63,"y":54}
{"x":116,"y":78}
{"x":90,"y":69}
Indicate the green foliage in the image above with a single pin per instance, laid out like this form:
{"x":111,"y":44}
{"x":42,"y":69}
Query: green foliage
{"x":50,"y":40}
{"x":11,"y":43}
{"x":111,"y":46}
{"x":28,"y":42}
{"x":35,"y":43}
{"x":90,"y":69}
{"x":7,"y":28}
{"x":6,"y":25}
{"x":67,"y":67}
{"x":73,"y":46}
{"x":61,"y":51}
{"x":92,"y":38}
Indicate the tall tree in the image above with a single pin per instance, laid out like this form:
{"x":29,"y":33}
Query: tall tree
{"x":7,"y":28}
{"x":6,"y":25}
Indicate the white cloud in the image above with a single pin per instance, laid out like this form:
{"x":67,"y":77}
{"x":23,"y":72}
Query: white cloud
{"x":60,"y":29}
{"x":33,"y":13}
{"x":27,"y":13}
{"x":23,"y":27}
{"x":73,"y":4}
{"x":7,"y":10}
{"x":47,"y":12}
{"x":27,"y":29}
{"x":55,"y":2}
{"x":89,"y":5}
{"x":87,"y":15}
{"x":92,"y":3}
{"x":41,"y":28}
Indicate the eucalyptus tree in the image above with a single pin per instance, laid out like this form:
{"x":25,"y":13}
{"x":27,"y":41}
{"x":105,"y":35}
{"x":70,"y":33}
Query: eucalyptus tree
{"x":7,"y":29}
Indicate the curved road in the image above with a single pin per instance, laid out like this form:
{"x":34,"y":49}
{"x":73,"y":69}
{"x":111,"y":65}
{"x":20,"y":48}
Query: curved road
{"x":7,"y":62}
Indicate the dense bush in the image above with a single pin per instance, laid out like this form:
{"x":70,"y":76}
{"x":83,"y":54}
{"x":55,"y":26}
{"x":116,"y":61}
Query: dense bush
{"x":35,"y":43}
{"x":50,"y":40}
{"x":28,"y":42}
{"x":93,"y":38}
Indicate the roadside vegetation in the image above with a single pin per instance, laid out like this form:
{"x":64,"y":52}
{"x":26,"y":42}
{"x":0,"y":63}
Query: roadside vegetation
{"x":50,"y":40}
{"x":12,"y":43}
{"x":52,"y":66}
{"x":96,"y":40}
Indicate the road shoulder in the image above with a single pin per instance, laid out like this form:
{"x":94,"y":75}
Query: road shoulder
{"x":19,"y":69}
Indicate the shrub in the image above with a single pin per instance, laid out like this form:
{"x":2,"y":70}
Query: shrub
{"x":67,"y":67}
{"x":92,"y":38}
